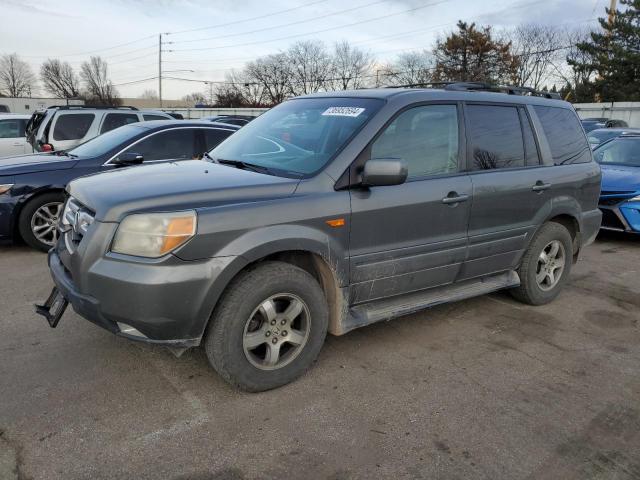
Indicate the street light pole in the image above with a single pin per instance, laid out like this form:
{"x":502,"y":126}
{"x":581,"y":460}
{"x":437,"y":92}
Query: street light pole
{"x":160,"y":69}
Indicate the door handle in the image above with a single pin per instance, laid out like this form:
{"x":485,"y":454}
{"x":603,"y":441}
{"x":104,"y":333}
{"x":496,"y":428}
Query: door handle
{"x":453,"y":197}
{"x":540,"y":186}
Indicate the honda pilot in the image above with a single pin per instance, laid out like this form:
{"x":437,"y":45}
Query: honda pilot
{"x":327,"y":213}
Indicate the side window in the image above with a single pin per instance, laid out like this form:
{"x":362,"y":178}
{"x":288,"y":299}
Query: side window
{"x":149,"y":117}
{"x":72,"y":126}
{"x":10,"y":128}
{"x":214,"y":136}
{"x":565,"y":135}
{"x":115,"y":120}
{"x":167,"y":145}
{"x":495,"y":136}
{"x":425,"y":137}
{"x":530,"y":148}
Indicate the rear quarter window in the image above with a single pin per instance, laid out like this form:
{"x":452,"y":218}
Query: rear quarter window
{"x":148,"y":118}
{"x":72,"y":126}
{"x":566,"y":138}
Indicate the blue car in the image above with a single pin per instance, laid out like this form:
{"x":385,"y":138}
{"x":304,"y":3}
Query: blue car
{"x":32,"y":186}
{"x":620,"y":196}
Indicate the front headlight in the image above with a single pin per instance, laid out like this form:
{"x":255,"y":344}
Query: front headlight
{"x":153,"y":235}
{"x":5,"y":188}
{"x":634,"y":199}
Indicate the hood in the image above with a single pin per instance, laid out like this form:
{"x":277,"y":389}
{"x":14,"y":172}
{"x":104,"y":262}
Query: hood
{"x":34,"y":163}
{"x":620,"y":178}
{"x":174,"y":186}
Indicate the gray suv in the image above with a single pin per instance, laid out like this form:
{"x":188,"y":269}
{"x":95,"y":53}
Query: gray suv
{"x":328,"y":213}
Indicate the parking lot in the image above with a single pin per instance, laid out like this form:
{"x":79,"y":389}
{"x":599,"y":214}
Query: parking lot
{"x":485,"y":388}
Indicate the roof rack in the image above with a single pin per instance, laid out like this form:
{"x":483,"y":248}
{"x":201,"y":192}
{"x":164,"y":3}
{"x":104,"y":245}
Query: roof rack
{"x":483,"y":87}
{"x":92,"y":107}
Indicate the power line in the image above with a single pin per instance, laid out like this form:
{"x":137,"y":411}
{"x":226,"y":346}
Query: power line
{"x":298,"y":22}
{"x":236,"y":22}
{"x":316,"y":31}
{"x":89,"y":52}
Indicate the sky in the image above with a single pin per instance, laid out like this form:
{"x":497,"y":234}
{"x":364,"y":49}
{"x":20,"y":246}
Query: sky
{"x":207,"y":38}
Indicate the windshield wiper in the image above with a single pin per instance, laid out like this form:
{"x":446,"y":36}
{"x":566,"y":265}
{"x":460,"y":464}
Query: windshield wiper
{"x":214,"y":160}
{"x":244,"y":165}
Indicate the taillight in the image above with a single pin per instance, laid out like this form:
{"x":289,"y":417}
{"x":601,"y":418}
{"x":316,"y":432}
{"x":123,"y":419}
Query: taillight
{"x":47,"y":147}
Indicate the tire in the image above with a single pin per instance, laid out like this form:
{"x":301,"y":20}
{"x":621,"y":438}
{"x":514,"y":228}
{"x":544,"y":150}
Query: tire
{"x":29,"y":220}
{"x":243,"y":343}
{"x":532,"y":267}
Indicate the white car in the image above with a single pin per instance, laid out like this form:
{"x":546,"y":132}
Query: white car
{"x":12,"y":135}
{"x":64,"y":127}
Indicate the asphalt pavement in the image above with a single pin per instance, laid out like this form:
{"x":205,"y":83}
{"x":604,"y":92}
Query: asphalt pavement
{"x":486,"y":388}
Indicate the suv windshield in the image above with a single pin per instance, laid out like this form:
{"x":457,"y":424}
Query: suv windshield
{"x":105,"y":142}
{"x":298,"y":137}
{"x":620,"y":151}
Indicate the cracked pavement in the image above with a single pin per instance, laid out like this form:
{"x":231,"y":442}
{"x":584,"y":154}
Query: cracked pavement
{"x":485,"y":388}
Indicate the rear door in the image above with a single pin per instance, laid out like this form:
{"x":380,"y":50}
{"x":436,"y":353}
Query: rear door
{"x":510,"y":186}
{"x":114,"y":120}
{"x":412,"y":236}
{"x":69,"y":129}
{"x":12,"y":137}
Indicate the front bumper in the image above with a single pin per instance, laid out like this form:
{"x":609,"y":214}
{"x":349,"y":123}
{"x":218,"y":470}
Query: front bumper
{"x":161,"y":303}
{"x":621,"y":217}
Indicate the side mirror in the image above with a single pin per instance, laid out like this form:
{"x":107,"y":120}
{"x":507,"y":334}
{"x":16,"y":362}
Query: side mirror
{"x":379,"y":172}
{"x":128,"y":158}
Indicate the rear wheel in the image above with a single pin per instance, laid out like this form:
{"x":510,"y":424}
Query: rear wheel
{"x":268,"y":328}
{"x":545,"y":266}
{"x":38,"y":222}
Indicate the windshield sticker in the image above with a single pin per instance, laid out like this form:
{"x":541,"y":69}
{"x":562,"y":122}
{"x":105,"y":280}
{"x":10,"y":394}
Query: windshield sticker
{"x":343,"y":111}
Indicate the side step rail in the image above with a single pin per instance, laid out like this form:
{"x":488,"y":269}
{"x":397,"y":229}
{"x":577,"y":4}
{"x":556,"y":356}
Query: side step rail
{"x":397,"y":306}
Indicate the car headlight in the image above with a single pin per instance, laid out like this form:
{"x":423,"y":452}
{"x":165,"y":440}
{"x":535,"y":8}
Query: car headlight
{"x":153,"y":235}
{"x":635,"y":199}
{"x":5,"y":188}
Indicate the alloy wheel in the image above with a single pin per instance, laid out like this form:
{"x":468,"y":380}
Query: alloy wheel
{"x":550,"y":266}
{"x":44,"y":223}
{"x":276,"y":332}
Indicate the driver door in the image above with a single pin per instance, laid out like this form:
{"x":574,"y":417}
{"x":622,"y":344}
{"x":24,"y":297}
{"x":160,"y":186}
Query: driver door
{"x":413,"y":236}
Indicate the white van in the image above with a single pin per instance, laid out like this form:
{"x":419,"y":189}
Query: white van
{"x":62,"y":128}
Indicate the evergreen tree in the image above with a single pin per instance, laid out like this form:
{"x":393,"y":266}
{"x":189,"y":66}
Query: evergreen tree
{"x":612,"y":58}
{"x":472,"y":54}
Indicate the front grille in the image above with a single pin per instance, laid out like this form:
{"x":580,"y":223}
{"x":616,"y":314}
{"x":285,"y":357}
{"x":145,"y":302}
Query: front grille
{"x":76,"y":221}
{"x":611,"y":220}
{"x":612,"y":201}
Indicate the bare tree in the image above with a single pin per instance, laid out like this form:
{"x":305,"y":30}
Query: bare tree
{"x":252,"y":93}
{"x":536,"y":48}
{"x":576,"y":80}
{"x":16,"y":77}
{"x":99,"y":88}
{"x":352,"y":67}
{"x":59,"y":79}
{"x":409,"y":68}
{"x":310,"y":66}
{"x":273,"y":73}
{"x":149,"y":94}
{"x":195,"y":98}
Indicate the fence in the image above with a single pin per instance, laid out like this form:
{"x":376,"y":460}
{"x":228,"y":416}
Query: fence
{"x":195,"y":113}
{"x":627,"y":111}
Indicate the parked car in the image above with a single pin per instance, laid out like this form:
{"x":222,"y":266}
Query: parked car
{"x":12,"y":139}
{"x":620,"y":198}
{"x":601,"y":135}
{"x":240,"y":120}
{"x":62,"y":128}
{"x":32,"y":186}
{"x":403,"y":199}
{"x":590,"y":124}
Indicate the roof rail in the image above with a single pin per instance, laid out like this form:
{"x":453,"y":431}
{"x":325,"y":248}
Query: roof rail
{"x":92,"y":107}
{"x":483,"y":87}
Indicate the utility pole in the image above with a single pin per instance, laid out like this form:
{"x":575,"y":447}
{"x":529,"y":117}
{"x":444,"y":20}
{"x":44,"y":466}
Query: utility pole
{"x":612,"y":11}
{"x":160,"y":69}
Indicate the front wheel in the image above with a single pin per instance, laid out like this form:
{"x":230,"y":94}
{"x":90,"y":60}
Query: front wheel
{"x":268,"y":328}
{"x":545,"y":266}
{"x":39,"y":219}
